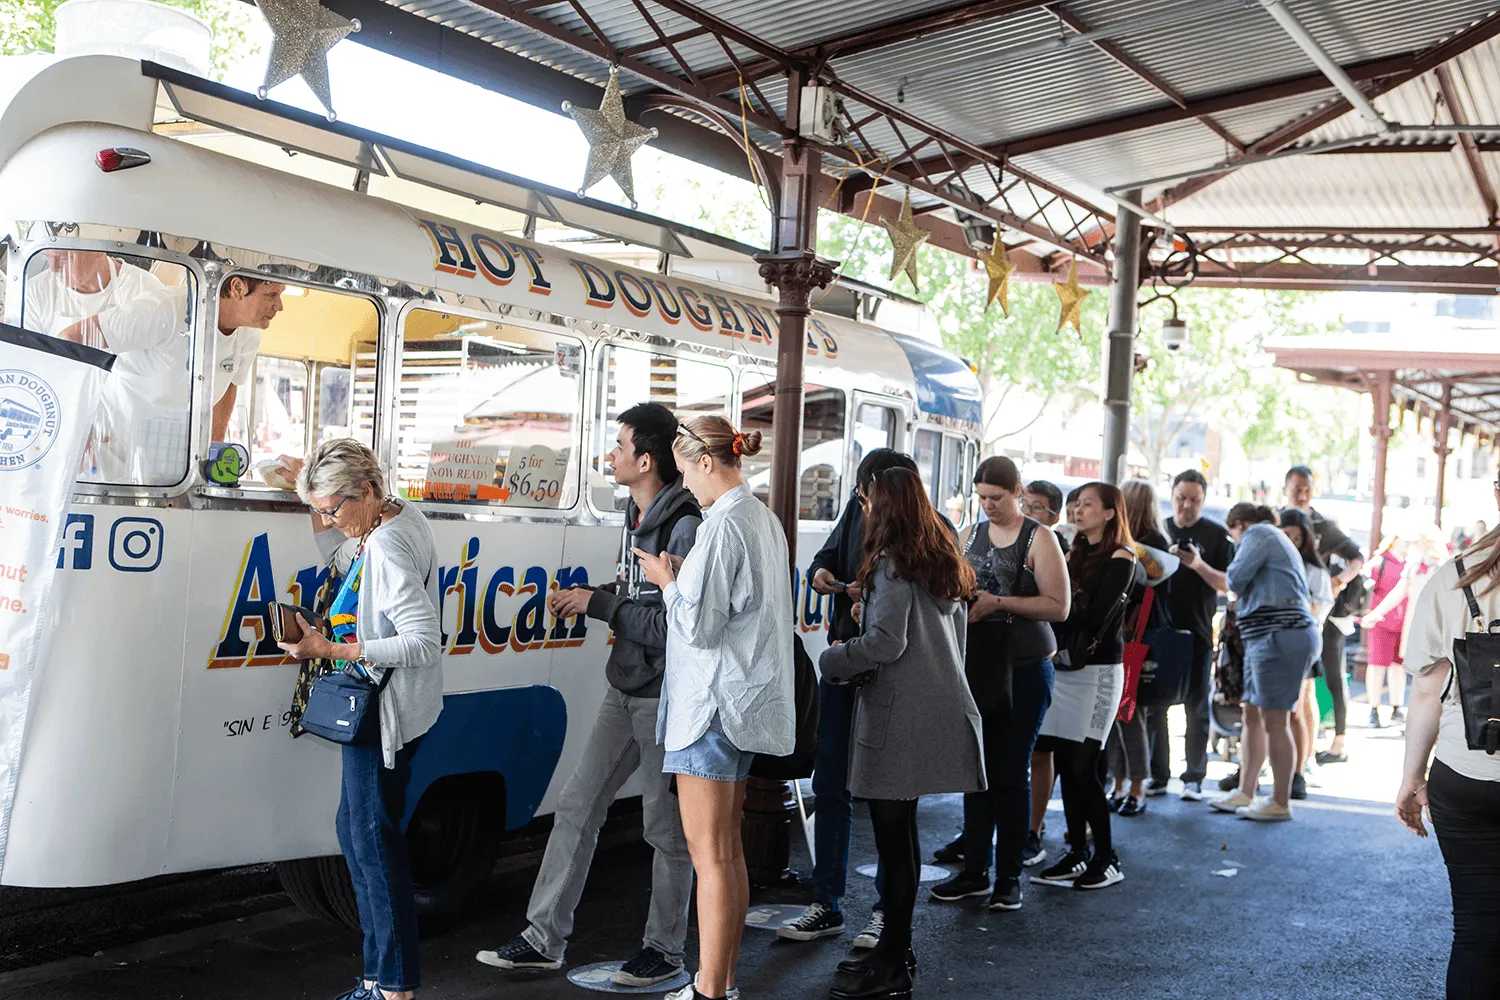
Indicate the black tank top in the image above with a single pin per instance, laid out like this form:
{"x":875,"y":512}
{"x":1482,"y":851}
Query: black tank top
{"x":1004,"y":573}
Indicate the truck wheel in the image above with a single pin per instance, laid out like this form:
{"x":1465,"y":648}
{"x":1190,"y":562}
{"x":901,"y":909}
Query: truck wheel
{"x":303,"y":881}
{"x":453,"y":839}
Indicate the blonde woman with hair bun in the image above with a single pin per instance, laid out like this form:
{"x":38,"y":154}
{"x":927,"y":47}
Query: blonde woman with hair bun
{"x":727,"y":694}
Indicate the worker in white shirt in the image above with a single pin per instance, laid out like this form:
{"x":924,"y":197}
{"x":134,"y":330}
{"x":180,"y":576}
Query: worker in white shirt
{"x":246,"y":307}
{"x":117,"y":305}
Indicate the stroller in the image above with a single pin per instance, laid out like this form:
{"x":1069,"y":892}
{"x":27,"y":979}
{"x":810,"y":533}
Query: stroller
{"x":1225,"y":717}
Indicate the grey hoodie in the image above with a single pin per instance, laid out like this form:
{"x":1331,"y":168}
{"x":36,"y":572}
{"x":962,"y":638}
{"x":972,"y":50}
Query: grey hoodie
{"x":631,"y":605}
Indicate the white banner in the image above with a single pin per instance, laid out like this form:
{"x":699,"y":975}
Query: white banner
{"x":49,"y":390}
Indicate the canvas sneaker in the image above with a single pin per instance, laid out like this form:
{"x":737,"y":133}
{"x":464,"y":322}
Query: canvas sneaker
{"x":817,"y":921}
{"x":647,"y":968}
{"x":1192,"y":791}
{"x":1265,"y":811}
{"x":1231,"y":802}
{"x":517,"y":953}
{"x":870,"y":936}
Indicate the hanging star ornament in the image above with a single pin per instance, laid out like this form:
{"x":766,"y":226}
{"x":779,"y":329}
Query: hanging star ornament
{"x":998,"y":267}
{"x":905,"y":239}
{"x":1071,"y":296}
{"x":302,"y":33}
{"x":612,"y":138}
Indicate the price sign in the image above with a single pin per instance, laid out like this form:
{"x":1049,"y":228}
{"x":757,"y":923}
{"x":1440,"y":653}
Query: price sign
{"x":462,"y":469}
{"x":534,"y":477}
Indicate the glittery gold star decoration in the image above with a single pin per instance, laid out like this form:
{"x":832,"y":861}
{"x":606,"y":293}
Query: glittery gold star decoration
{"x":1071,"y":296}
{"x":612,"y":138}
{"x":905,"y":238}
{"x":998,"y":267}
{"x":302,"y":33}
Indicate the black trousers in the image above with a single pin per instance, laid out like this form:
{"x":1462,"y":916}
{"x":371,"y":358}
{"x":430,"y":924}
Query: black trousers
{"x":1333,"y":675}
{"x":1081,"y":773}
{"x":1466,"y":816}
{"x":895,"y":822}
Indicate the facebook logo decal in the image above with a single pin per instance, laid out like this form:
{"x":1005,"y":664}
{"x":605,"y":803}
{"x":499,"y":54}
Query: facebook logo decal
{"x":77,"y":541}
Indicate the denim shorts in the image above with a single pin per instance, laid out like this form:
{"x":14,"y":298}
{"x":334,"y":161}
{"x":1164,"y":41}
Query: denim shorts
{"x":711,"y":756}
{"x":1276,"y":665}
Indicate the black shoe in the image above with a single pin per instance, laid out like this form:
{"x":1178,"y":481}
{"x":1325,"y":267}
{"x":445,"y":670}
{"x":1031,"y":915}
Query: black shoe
{"x":1115,"y":802}
{"x":1065,"y":871}
{"x":358,"y":993}
{"x":1100,"y":874}
{"x":517,"y":954}
{"x":951,"y":852}
{"x":1035,"y":853}
{"x":1156,"y":787}
{"x":859,"y":966}
{"x":1133,"y":806}
{"x":1329,"y":757}
{"x":1230,"y":782}
{"x":1375,"y":722}
{"x":961,"y":886}
{"x":1299,"y":786}
{"x":817,"y":921}
{"x":1007,"y":894}
{"x":647,"y":968}
{"x":1398,"y":715}
{"x":873,"y":983}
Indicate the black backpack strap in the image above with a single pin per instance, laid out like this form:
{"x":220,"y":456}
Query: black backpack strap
{"x":1474,"y":611}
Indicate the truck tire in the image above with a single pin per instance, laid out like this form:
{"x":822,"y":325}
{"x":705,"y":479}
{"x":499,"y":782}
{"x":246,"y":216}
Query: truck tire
{"x":303,"y":881}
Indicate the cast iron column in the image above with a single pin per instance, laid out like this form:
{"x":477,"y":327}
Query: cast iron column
{"x":1380,"y":428}
{"x":1119,"y":348}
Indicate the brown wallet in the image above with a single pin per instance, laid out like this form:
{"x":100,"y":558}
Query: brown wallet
{"x":284,"y":624}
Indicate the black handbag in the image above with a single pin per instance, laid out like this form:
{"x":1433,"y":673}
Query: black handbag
{"x":798,"y":763}
{"x":343,"y":708}
{"x":1476,"y":662}
{"x":1164,"y":679}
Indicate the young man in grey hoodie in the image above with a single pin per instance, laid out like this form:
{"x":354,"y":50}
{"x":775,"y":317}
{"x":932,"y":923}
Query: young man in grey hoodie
{"x":624,"y":736}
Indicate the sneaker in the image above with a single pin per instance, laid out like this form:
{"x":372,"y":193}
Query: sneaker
{"x":961,"y":886}
{"x":1065,"y":871}
{"x":1265,"y":811}
{"x":358,"y":993}
{"x":647,"y":968}
{"x":1231,"y":802}
{"x":1156,"y":787}
{"x":517,"y":954}
{"x":1299,"y":786}
{"x":1132,"y":806}
{"x":1035,"y":853}
{"x":1192,"y":791}
{"x":870,"y":936}
{"x":817,"y":921}
{"x":951,"y":852}
{"x":1375,"y":722}
{"x":1100,"y":874}
{"x":1326,"y":757}
{"x":690,"y":991}
{"x":1398,"y":715}
{"x":1230,"y":782}
{"x":1007,"y":894}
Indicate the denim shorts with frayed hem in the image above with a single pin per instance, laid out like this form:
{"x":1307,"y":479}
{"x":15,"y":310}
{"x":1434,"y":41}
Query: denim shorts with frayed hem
{"x":1277,"y":663}
{"x":711,"y":756}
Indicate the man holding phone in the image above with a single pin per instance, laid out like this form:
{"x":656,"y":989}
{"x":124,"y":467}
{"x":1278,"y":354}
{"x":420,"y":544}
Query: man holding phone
{"x":1205,"y":549}
{"x":661,"y":516}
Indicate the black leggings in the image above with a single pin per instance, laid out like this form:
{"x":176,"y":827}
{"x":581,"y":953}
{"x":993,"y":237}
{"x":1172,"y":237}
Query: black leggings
{"x":1079,"y":768}
{"x":1333,"y":675}
{"x":1466,"y":817}
{"x":895,"y":822}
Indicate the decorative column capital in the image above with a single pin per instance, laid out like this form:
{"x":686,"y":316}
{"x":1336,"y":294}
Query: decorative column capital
{"x":795,"y":273}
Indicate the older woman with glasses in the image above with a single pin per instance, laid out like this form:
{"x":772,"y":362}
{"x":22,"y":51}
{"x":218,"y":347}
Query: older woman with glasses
{"x":385,"y":622}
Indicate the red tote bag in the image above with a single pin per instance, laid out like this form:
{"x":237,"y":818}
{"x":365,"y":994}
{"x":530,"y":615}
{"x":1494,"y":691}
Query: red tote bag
{"x":1136,"y":652}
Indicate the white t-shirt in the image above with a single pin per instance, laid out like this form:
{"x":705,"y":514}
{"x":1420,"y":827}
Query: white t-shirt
{"x":140,"y":430}
{"x":234,"y":359}
{"x":1439,"y":615}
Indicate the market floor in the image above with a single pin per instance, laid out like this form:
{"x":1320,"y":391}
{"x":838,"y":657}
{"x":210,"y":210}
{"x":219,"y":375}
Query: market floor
{"x":1341,"y":903}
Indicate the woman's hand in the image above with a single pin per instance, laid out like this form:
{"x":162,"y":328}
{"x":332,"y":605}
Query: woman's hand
{"x":1410,"y":802}
{"x":314,"y":645}
{"x":985,"y":605}
{"x":858,"y":612}
{"x":1371,"y":620}
{"x":657,"y":570}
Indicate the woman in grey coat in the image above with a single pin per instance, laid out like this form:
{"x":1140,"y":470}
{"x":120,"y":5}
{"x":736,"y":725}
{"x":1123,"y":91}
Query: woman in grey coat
{"x":916,"y":728}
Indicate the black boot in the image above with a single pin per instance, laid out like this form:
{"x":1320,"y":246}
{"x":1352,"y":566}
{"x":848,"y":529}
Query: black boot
{"x":875,"y":982}
{"x":859,"y":966}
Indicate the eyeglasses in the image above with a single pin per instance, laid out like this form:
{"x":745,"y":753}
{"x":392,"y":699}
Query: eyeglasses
{"x":336,"y":508}
{"x":1037,"y":508}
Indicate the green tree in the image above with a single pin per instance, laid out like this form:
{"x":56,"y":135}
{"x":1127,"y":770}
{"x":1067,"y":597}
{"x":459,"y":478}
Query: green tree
{"x":30,"y":26}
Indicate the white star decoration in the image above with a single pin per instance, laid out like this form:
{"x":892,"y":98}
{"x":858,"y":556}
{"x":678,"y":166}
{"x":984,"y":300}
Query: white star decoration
{"x":303,"y":31}
{"x":612,"y":138}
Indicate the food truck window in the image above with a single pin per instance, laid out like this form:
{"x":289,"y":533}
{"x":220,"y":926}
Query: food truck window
{"x":950,"y":499}
{"x":140,"y":310}
{"x":821,"y":480}
{"x":291,"y":367}
{"x":487,"y":413}
{"x":926,"y":453}
{"x":686,"y":386}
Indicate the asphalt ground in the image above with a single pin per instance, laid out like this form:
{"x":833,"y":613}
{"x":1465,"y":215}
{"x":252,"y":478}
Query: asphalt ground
{"x":1341,"y":903}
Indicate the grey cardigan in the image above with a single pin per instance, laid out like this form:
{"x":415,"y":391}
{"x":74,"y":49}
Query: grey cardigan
{"x":398,"y":625}
{"x":916,"y":730}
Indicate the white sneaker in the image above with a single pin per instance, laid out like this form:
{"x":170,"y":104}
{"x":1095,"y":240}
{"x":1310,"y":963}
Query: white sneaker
{"x":686,"y":993}
{"x":870,"y":936}
{"x":1232,"y":802}
{"x":1192,"y":791}
{"x":1265,"y":811}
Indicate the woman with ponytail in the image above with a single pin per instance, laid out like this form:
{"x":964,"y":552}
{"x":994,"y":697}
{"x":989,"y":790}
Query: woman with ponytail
{"x":728,"y":692}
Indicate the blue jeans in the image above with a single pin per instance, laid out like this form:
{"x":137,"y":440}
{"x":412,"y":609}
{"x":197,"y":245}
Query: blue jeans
{"x":1003,"y":811}
{"x":835,"y":806}
{"x":369,"y":827}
